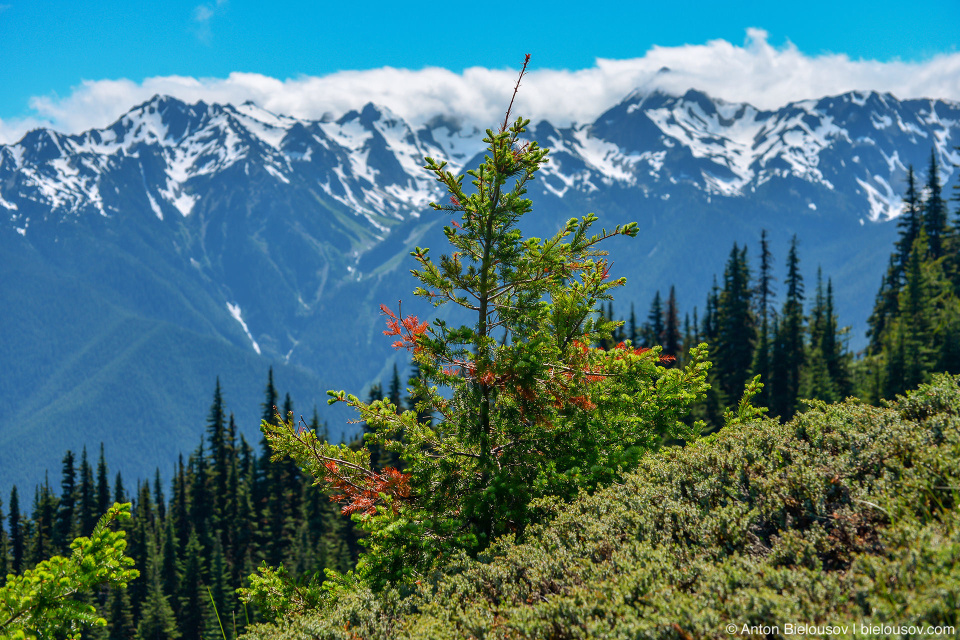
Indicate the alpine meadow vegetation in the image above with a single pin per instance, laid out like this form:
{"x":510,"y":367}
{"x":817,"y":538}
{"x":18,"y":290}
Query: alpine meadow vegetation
{"x":528,"y":411}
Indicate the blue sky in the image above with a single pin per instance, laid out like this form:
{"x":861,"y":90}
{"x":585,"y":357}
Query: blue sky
{"x":49,"y":48}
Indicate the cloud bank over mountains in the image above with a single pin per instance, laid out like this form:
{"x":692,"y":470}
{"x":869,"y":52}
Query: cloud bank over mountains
{"x":755,"y":72}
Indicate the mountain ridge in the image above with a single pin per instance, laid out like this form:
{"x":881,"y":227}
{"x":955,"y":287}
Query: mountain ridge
{"x":260,"y":239}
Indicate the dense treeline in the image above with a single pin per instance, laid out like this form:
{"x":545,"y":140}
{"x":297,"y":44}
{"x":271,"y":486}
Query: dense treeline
{"x":799,"y":349}
{"x":796,"y":353}
{"x":229,"y":509}
{"x":915,"y":325}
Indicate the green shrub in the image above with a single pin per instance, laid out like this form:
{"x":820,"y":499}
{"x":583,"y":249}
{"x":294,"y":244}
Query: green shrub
{"x":845,"y":515}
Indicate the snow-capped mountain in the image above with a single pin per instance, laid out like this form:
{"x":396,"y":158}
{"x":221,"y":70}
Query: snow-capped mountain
{"x":186,"y":241}
{"x":371,"y":162}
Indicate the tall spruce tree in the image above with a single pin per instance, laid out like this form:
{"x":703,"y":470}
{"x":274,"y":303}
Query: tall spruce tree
{"x":219,"y":454}
{"x":764,"y":295}
{"x":43,"y":521}
{"x":103,"y":485}
{"x":934,"y":210}
{"x":735,"y":326}
{"x":87,"y":513}
{"x":788,"y":353}
{"x":4,"y":549}
{"x":909,"y":224}
{"x":17,"y":533}
{"x":66,"y":514}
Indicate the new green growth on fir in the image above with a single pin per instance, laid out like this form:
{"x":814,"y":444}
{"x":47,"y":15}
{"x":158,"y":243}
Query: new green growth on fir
{"x":527,"y":409}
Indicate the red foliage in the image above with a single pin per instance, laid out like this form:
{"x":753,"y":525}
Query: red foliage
{"x":362,"y":496}
{"x":409,"y":329}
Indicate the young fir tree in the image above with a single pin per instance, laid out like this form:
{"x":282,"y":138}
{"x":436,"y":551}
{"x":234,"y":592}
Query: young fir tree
{"x":530,"y":409}
{"x":119,"y":615}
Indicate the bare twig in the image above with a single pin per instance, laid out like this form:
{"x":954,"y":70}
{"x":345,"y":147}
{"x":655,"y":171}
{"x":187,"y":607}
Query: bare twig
{"x":506,"y":118}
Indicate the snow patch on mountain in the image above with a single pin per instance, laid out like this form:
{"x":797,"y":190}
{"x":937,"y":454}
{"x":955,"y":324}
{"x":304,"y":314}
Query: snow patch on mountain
{"x":235,"y":311}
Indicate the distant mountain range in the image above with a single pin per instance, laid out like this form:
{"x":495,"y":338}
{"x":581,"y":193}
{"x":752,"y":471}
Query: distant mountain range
{"x":187,"y":241}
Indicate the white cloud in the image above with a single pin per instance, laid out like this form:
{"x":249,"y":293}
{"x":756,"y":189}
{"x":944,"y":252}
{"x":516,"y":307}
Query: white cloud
{"x":756,"y":72}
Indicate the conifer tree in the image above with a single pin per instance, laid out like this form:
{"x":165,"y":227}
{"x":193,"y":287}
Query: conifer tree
{"x":17,"y":542}
{"x":66,"y":513}
{"x":4,"y":550}
{"x":834,"y":350}
{"x":735,"y":326}
{"x":103,"y":484}
{"x":934,"y":210}
{"x":394,"y":394}
{"x":158,"y":499}
{"x":909,"y":224}
{"x":119,"y":492}
{"x":709,"y":333}
{"x":219,"y":596}
{"x":192,"y":595}
{"x":764,"y":294}
{"x":885,"y":306}
{"x":825,"y":375}
{"x":632,"y":327}
{"x":200,"y":503}
{"x":217,"y":437}
{"x":788,"y":356}
{"x":119,"y":615}
{"x":43,"y":521}
{"x":671,"y":327}
{"x":158,"y":621}
{"x":653,"y":329}
{"x":179,"y":509}
{"x":532,"y":410}
{"x":170,"y":568}
{"x":87,"y":516}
